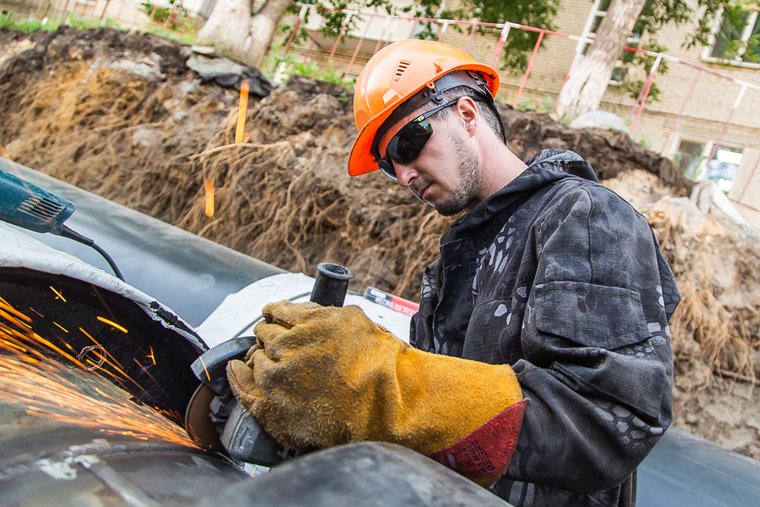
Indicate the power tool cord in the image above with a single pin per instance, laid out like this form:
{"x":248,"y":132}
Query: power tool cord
{"x":68,"y":233}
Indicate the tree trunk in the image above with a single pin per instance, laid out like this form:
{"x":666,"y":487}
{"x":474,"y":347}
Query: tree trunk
{"x":262,"y":29}
{"x":228,"y":27}
{"x":233,"y":30}
{"x":589,"y":77}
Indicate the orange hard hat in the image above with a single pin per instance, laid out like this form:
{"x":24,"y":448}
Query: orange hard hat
{"x":395,"y":74}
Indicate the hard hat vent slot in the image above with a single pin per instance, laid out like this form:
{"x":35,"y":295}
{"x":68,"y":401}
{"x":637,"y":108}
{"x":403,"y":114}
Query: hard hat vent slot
{"x":400,"y":69}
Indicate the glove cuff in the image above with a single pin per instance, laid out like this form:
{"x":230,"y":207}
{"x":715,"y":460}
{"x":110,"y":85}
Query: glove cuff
{"x":484,"y":455}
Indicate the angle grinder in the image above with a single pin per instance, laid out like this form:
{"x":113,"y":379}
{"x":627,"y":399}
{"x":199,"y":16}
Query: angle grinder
{"x":215,"y":420}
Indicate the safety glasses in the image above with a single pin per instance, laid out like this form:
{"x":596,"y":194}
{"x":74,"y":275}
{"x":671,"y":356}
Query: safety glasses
{"x":408,"y":142}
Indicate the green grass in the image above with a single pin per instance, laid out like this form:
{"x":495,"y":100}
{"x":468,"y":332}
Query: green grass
{"x":288,"y":64}
{"x":8,"y":22}
{"x":188,"y":38}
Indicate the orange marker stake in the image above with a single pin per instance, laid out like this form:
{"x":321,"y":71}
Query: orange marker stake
{"x":208,"y":186}
{"x":242,"y":109}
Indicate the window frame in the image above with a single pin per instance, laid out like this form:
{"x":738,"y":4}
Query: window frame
{"x":708,"y":145}
{"x":754,"y":18}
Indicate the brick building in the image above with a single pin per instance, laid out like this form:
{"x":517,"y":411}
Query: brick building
{"x":707,"y":118}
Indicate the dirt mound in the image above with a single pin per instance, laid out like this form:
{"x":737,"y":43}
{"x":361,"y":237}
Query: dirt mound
{"x":717,"y":326}
{"x":121,"y":115}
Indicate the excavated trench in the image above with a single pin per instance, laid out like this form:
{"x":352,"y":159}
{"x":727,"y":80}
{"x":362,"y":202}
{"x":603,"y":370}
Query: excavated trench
{"x":123,"y":116}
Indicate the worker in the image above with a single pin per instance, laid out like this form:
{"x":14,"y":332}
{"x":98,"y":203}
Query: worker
{"x":540,"y":363}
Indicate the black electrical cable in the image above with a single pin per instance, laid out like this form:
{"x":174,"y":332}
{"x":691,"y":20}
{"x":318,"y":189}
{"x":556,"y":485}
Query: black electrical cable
{"x":66,"y":232}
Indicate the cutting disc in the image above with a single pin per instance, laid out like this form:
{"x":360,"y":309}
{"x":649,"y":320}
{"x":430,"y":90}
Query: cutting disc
{"x":198,"y":421}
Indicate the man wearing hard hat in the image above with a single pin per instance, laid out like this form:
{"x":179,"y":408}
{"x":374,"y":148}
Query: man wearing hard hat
{"x":540,"y":364}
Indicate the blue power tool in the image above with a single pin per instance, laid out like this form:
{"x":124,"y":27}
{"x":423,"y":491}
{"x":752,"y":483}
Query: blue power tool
{"x":30,"y":207}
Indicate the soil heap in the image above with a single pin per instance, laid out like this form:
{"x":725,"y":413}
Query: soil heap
{"x":121,"y":115}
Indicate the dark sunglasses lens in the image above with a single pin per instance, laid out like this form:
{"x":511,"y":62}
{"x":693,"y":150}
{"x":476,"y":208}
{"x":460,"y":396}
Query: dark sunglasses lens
{"x":408,"y":143}
{"x":386,"y":166}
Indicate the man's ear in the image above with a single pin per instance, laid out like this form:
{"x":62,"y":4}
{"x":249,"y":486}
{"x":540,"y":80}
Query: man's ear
{"x":468,"y":112}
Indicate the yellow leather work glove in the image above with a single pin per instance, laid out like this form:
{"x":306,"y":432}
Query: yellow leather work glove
{"x":324,"y":376}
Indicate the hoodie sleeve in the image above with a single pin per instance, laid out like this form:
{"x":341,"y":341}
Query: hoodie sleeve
{"x":598,"y":364}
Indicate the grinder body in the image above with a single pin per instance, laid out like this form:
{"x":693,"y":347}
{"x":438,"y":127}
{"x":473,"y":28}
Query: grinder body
{"x":216,"y":420}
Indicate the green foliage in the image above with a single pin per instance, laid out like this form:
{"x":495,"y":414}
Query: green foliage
{"x":729,"y":44}
{"x":315,"y":71}
{"x":280,"y":68}
{"x":654,"y":16}
{"x":526,"y":104}
{"x":636,"y":64}
{"x":175,"y":21}
{"x":530,"y":104}
{"x":515,"y":57}
{"x":712,"y":10}
{"x":538,"y":13}
{"x":546,"y":106}
{"x":645,"y":143}
{"x":658,"y":13}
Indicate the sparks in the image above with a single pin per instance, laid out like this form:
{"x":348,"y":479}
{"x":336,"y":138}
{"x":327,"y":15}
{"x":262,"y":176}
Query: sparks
{"x":5,"y":307}
{"x":152,"y":356}
{"x":51,"y":389}
{"x":60,"y":327}
{"x":113,"y":324}
{"x":58,"y":295}
{"x":204,"y":368}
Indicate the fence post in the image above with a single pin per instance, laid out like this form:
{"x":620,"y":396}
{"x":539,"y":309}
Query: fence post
{"x":358,"y":46}
{"x":301,"y":17}
{"x":500,"y":44}
{"x":645,"y":92}
{"x":474,"y":29}
{"x":527,"y":69}
{"x":677,"y":119}
{"x":444,"y":27}
{"x":338,"y":40}
{"x":749,"y":180}
{"x":724,"y":128}
{"x":382,"y":35}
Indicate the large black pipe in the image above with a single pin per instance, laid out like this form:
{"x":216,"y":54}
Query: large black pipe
{"x":189,"y":274}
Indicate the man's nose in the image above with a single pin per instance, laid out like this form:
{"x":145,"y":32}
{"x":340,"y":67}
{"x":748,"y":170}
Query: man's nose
{"x":404,"y":173}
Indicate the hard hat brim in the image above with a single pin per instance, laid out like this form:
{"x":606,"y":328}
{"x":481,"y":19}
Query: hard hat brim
{"x":361,"y":160}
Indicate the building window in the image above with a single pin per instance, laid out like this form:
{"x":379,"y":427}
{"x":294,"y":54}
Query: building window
{"x":594,"y":20}
{"x":689,"y":158}
{"x":738,"y":38}
{"x":692,"y":156}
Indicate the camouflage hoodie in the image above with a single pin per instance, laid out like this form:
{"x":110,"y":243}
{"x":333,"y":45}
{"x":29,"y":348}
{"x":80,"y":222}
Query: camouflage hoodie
{"x":561,"y":278}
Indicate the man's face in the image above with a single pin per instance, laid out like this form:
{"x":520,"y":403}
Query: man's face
{"x":446,"y":173}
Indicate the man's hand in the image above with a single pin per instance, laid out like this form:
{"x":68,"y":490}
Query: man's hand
{"x":324,"y":376}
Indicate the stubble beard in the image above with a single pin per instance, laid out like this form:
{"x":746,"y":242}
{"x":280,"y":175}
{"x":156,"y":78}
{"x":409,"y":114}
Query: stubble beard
{"x":464,"y":195}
